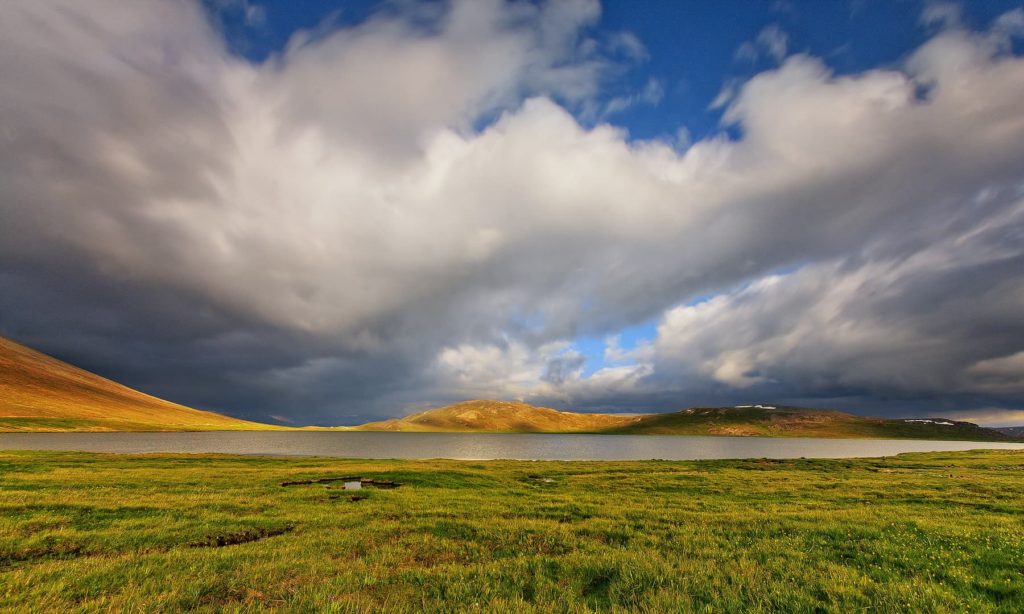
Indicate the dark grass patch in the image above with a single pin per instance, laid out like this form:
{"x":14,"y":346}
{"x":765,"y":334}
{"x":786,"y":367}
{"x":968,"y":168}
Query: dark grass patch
{"x":54,"y":549}
{"x":83,"y":517}
{"x":455,"y":530}
{"x":569,"y":512}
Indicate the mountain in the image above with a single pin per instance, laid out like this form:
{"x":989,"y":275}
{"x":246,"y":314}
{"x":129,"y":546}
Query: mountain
{"x":40,"y":393}
{"x":788,"y":421}
{"x":501,"y":417}
{"x":1012,"y":431}
{"x":749,"y":420}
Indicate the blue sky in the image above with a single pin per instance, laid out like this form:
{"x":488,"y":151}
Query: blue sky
{"x":691,"y":46}
{"x":334,"y":212}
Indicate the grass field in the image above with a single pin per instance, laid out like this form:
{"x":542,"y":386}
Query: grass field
{"x":923,"y":532}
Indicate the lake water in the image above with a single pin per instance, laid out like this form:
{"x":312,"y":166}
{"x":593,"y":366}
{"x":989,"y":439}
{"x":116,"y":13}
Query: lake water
{"x":478,"y":446}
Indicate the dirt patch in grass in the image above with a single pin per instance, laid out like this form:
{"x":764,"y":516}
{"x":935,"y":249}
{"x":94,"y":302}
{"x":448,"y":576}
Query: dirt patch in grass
{"x":351,"y":498}
{"x":365,"y":482}
{"x":244,"y":536}
{"x":321,"y":481}
{"x":61,"y":550}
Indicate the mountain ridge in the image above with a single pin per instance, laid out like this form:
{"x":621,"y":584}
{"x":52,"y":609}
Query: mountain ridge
{"x":486,"y":416}
{"x":41,"y":393}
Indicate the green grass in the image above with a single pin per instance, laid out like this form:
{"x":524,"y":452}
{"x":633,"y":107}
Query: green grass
{"x":939,"y":532}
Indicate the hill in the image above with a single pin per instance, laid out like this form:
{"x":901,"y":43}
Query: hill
{"x":787,"y":421}
{"x":40,"y":393}
{"x":486,"y":416}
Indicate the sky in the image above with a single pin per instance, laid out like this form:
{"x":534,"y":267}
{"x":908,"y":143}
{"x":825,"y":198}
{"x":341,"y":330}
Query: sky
{"x":325,"y":213}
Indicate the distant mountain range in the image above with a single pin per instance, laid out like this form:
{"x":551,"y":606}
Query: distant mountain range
{"x":1012,"y":431}
{"x":40,"y":393}
{"x":482,"y":416}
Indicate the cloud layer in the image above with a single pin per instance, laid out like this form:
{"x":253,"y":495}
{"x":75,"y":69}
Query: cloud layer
{"x":408,"y":210}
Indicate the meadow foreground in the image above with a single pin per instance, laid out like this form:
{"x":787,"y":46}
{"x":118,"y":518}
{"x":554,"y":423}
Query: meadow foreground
{"x":917,"y":532}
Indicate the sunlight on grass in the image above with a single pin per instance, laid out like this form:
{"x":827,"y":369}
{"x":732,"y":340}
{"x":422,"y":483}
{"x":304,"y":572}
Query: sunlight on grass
{"x":922,"y":532}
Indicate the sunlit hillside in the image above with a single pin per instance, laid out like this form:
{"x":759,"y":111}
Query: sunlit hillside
{"x":488,"y":416}
{"x":501,"y":416}
{"x":40,"y":393}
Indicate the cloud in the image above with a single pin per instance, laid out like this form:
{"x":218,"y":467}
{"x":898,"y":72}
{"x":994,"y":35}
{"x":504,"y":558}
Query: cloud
{"x":942,"y":15}
{"x":650,"y":95}
{"x":932,"y":316}
{"x":988,"y":416}
{"x":771,"y":42}
{"x":408,"y":210}
{"x":629,"y":45}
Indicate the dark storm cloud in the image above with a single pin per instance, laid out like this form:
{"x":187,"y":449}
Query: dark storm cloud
{"x":327,"y":237}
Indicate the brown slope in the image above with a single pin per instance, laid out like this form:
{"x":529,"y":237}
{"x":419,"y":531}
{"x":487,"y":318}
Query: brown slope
{"x":500,"y":417}
{"x":39,"y":392}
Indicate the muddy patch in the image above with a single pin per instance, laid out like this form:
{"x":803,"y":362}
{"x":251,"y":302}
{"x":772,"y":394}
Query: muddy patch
{"x":349,"y":498}
{"x":320,"y":481}
{"x":539,"y":480}
{"x":349,"y":482}
{"x":244,"y":536}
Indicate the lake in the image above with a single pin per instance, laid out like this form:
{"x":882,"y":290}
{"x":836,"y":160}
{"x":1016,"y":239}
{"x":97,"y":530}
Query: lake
{"x":480,"y":446}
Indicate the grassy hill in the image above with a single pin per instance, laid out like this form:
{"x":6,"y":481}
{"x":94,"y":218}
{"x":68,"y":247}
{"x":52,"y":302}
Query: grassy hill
{"x":783,"y":421}
{"x":500,"y":417}
{"x":40,"y":393}
{"x":486,"y":416}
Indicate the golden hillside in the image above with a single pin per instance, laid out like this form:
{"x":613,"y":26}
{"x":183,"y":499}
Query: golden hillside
{"x":501,"y":417}
{"x":739,"y":421}
{"x":40,"y":393}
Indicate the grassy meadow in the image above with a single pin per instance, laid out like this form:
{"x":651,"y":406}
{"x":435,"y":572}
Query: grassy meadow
{"x":937,"y":532}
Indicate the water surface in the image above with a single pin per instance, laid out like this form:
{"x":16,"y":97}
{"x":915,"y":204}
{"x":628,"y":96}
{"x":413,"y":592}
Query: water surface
{"x":480,"y":446}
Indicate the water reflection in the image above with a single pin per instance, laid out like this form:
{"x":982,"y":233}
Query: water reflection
{"x":472,"y":446}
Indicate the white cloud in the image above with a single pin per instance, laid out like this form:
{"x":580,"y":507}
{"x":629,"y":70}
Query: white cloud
{"x":942,"y":15}
{"x":771,"y":42}
{"x":650,"y":95}
{"x":351,"y":211}
{"x":628,"y":44}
